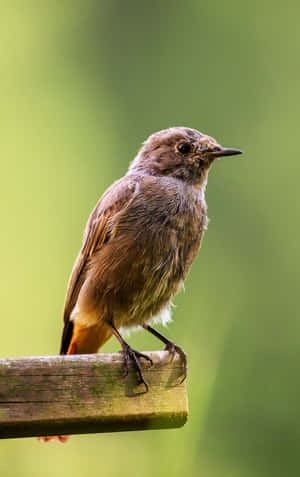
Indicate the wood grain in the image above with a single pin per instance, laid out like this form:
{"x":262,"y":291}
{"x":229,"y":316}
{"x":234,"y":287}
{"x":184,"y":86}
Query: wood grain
{"x":88,"y":393}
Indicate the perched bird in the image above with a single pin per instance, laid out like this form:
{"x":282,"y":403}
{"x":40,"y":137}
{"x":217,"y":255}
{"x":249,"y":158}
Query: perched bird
{"x":139,"y":244}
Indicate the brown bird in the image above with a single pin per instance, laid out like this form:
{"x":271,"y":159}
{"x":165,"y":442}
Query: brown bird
{"x":139,"y":244}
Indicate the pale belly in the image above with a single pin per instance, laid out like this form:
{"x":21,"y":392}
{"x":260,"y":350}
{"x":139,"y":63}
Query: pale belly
{"x":163,"y":279}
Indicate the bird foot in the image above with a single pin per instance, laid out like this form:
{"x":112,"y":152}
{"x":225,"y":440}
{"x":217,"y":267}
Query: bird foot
{"x":131,"y":354}
{"x":172,"y":348}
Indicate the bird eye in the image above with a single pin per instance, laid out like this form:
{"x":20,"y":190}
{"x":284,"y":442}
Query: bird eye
{"x":184,"y":148}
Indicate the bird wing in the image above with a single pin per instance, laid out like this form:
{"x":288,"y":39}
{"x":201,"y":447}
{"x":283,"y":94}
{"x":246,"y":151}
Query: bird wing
{"x":98,"y":231}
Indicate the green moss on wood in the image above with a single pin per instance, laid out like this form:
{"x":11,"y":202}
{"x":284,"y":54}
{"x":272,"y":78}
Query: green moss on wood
{"x":82,"y":394}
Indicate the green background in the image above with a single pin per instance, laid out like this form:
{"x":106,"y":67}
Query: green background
{"x":82,"y":84}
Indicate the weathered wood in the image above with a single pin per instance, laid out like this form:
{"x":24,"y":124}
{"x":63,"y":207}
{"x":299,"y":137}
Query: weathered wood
{"x":88,"y":393}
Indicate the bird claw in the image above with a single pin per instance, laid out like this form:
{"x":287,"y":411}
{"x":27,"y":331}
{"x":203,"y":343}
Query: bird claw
{"x":135,"y":356}
{"x":172,"y":348}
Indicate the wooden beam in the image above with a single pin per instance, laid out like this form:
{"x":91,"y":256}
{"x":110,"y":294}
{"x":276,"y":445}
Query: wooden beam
{"x":88,"y":393}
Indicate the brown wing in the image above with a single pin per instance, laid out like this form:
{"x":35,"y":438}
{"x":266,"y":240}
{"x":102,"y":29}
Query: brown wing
{"x":98,"y":231}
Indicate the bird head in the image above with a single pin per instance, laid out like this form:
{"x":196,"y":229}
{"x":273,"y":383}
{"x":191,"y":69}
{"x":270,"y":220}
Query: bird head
{"x":180,"y":152}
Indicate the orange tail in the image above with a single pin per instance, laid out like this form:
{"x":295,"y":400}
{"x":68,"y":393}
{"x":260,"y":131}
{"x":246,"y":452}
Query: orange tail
{"x":84,"y":340}
{"x":87,"y":340}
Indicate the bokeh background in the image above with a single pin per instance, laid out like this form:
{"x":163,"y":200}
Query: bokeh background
{"x":82,"y":84}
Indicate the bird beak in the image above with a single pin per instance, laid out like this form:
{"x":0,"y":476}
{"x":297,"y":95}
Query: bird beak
{"x":225,"y":152}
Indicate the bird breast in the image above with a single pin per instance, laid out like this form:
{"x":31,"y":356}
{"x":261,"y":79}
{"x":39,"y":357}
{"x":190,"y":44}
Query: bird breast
{"x":168,"y":228}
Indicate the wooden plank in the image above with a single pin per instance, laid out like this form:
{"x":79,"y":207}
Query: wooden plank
{"x":88,"y":393}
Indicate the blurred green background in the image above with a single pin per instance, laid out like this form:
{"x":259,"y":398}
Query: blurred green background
{"x":82,"y":84}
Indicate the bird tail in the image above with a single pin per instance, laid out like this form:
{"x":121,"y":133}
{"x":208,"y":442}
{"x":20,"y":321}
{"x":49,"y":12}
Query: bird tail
{"x":81,"y":339}
{"x":66,"y":337}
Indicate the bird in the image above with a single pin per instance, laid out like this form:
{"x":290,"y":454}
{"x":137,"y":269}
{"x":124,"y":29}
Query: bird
{"x":139,"y":244}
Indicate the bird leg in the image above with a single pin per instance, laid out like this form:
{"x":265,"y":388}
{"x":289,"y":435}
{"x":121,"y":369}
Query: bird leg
{"x":131,"y":354}
{"x":171,"y":347}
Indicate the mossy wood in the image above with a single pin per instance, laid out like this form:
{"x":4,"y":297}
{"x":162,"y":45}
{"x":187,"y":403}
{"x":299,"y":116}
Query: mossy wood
{"x":88,"y":393}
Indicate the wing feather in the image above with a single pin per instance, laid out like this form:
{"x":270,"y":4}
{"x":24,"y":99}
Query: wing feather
{"x":98,"y":231}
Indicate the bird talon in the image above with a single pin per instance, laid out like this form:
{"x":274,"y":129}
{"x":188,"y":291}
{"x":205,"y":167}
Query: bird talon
{"x":131,"y":354}
{"x":172,"y":348}
{"x":142,"y":355}
{"x":183,"y":358}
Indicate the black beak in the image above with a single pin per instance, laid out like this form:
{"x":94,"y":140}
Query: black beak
{"x":225,"y":152}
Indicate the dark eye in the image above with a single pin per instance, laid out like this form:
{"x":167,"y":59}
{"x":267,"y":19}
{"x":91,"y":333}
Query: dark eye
{"x":184,"y":148}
